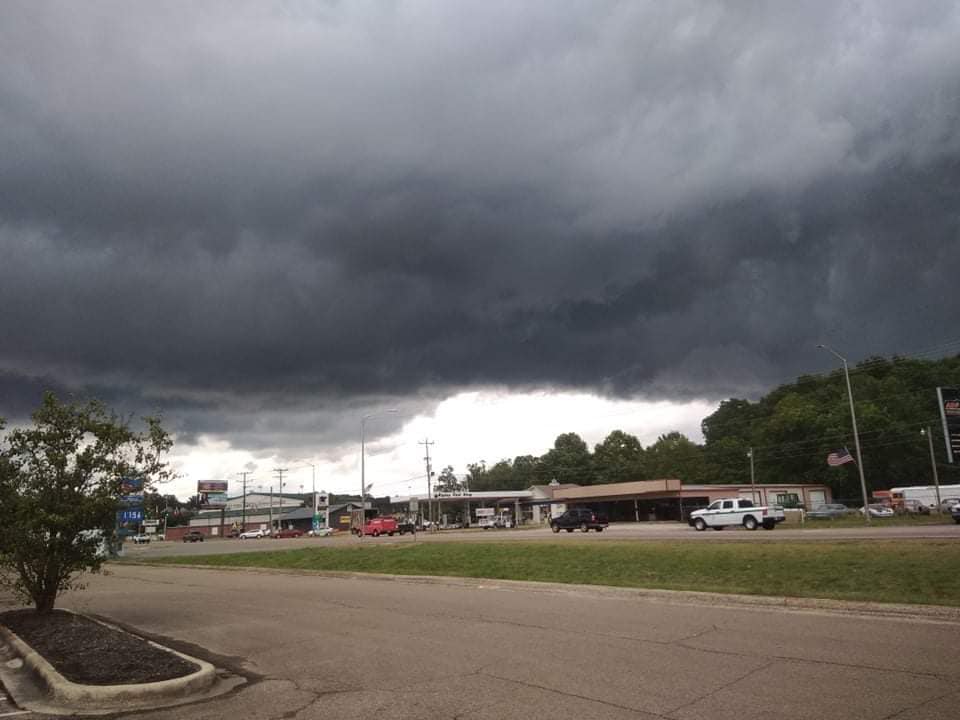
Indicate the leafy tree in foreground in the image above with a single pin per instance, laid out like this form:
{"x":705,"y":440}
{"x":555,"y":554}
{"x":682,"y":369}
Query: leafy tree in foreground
{"x":60,"y":487}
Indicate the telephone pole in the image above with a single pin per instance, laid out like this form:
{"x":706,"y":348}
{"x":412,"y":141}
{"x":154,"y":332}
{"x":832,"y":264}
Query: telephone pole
{"x":243,"y":522}
{"x":426,"y":444}
{"x":280,"y":472}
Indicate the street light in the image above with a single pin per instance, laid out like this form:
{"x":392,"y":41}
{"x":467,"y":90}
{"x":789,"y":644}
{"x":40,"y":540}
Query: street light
{"x":856,"y":435}
{"x":363,"y":473}
{"x":933,"y":463}
{"x":313,"y":492}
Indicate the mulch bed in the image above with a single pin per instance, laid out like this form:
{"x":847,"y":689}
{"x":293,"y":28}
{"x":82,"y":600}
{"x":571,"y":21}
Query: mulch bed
{"x":87,"y":652}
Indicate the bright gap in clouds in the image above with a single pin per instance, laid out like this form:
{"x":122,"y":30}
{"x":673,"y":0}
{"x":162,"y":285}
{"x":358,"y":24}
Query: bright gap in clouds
{"x":465,"y":428}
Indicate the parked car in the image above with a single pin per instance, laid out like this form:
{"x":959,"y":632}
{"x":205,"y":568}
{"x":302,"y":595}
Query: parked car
{"x":582,"y":518}
{"x":380,"y":526}
{"x":878,"y":511}
{"x":955,"y":512}
{"x":193,"y":536}
{"x":914,"y":507}
{"x":322,"y":532}
{"x":946,"y":504}
{"x":287,"y":533}
{"x":829,"y":511}
{"x":141,"y":539}
{"x":251,"y":535}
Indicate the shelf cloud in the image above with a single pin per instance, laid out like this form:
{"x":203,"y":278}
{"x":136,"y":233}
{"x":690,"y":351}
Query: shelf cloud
{"x":260,"y":217}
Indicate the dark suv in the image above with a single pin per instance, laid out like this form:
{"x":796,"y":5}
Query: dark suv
{"x":193,"y":536}
{"x":582,"y":518}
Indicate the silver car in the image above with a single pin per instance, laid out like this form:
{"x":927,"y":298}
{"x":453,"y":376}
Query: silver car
{"x":829,"y":511}
{"x":946,"y":504}
{"x":879,"y":511}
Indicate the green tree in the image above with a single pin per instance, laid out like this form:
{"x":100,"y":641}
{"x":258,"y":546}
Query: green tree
{"x":476,"y":473}
{"x":60,"y":487}
{"x":569,"y":461}
{"x":447,"y":482}
{"x":619,"y":458}
{"x":674,"y":455}
{"x":527,"y":470}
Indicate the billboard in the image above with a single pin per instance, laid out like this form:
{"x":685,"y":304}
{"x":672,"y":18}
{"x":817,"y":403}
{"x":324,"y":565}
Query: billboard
{"x":213,"y":494}
{"x":213,"y":500}
{"x":211,"y":486}
{"x":949,"y":401}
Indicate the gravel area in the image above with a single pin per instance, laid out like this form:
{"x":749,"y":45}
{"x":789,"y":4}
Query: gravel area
{"x":88,"y":652}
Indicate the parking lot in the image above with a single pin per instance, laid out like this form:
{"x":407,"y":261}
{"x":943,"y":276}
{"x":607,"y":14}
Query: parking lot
{"x":320,"y":647}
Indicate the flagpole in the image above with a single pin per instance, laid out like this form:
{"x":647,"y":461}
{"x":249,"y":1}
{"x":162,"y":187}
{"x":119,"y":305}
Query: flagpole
{"x":856,"y":435}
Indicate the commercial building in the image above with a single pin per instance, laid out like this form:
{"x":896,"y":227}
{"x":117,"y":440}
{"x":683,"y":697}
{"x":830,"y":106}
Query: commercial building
{"x":638,"y":501}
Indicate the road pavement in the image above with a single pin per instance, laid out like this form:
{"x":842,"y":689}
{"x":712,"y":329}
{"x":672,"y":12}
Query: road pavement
{"x":391,"y":649}
{"x":620,"y":531}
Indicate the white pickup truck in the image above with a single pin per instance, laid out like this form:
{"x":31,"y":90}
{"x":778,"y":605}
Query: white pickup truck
{"x":736,"y":511}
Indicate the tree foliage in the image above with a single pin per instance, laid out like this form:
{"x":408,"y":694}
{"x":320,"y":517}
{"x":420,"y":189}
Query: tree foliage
{"x":447,"y":482}
{"x":60,"y":488}
{"x":790,"y":431}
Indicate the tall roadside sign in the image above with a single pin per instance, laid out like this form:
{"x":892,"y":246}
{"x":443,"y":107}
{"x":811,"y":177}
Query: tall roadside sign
{"x":949,"y":401}
{"x":130,"y":514}
{"x":213,"y":494}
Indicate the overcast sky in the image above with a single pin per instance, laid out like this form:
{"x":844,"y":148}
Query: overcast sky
{"x":268,"y":220}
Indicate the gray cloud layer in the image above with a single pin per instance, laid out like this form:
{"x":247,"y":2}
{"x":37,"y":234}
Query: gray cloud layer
{"x":235,"y":210}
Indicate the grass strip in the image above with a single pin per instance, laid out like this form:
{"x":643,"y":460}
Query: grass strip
{"x":857,"y":521}
{"x":902,"y":571}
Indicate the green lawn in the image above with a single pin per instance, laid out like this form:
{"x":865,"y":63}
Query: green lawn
{"x":903,"y":571}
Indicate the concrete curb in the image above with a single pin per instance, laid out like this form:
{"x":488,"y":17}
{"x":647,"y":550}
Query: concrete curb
{"x":105,"y":697}
{"x":923,"y":613}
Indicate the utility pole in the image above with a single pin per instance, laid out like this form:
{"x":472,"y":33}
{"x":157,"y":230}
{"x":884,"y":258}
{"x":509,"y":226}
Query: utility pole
{"x":243,"y":522}
{"x":280,"y":472}
{"x":753,"y":477}
{"x":271,"y":508}
{"x":426,"y":444}
{"x":933,"y":464}
{"x":856,"y":434}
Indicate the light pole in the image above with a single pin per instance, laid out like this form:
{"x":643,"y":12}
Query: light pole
{"x":753,"y":477}
{"x":363,"y":470}
{"x":313,"y":493}
{"x":933,"y":463}
{"x":856,"y":435}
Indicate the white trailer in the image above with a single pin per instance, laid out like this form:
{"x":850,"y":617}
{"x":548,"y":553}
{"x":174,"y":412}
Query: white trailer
{"x":925,"y":494}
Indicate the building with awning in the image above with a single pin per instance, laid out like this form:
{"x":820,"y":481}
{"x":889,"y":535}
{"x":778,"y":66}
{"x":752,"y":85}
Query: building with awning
{"x":636,"y":501}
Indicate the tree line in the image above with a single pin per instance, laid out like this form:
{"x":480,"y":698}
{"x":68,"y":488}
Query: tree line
{"x":790,"y":431}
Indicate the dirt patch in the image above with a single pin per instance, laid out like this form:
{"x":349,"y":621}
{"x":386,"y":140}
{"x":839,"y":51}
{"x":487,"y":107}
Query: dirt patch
{"x":87,"y":652}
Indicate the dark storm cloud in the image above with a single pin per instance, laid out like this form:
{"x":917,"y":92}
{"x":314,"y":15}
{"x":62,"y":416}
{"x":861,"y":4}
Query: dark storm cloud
{"x":262,"y":219}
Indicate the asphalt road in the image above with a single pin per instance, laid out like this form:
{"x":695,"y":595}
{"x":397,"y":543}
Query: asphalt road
{"x":382,"y":649}
{"x":624,"y":531}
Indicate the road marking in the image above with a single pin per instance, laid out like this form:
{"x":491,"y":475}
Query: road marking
{"x":18,"y":712}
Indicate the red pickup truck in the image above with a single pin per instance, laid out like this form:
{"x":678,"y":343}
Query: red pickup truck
{"x":381,"y":526}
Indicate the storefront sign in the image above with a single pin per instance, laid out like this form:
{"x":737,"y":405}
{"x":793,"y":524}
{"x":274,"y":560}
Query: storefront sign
{"x":949,"y":400}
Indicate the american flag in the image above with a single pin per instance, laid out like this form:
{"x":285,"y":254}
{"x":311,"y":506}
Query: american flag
{"x":839,"y":457}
